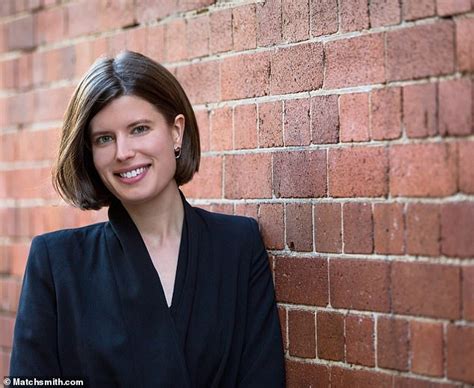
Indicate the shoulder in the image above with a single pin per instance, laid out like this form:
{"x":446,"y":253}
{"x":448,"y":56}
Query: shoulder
{"x":70,"y":237}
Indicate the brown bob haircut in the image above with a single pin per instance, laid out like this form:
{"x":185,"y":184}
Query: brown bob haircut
{"x":74,"y":176}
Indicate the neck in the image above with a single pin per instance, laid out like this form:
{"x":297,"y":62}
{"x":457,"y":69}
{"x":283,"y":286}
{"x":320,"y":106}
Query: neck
{"x":159,"y":220}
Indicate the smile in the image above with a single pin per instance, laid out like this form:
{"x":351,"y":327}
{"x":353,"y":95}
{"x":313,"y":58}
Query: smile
{"x":133,"y":173}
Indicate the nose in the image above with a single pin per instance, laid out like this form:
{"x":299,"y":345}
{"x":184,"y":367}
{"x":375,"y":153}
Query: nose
{"x":124,"y":149}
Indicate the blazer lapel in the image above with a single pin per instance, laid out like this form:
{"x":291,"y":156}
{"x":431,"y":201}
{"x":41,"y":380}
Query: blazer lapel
{"x":153,"y":332}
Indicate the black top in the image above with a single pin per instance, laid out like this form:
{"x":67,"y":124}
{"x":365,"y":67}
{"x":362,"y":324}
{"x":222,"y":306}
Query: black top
{"x":92,"y":305}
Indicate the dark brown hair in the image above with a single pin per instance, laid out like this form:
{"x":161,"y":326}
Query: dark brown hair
{"x":74,"y":176}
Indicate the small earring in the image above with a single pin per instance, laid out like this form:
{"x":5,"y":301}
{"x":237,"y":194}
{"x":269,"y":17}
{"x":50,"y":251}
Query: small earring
{"x":177,"y":152}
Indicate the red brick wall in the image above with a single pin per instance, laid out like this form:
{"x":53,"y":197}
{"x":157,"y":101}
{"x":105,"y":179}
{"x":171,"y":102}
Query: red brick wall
{"x":344,"y":126}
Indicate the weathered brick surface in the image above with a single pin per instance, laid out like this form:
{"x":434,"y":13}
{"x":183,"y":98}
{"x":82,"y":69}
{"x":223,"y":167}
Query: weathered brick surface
{"x":468,"y":292}
{"x":389,"y":228}
{"x":295,"y":20}
{"x":270,"y":124}
{"x":420,"y":51}
{"x":384,"y":12}
{"x":420,"y":110}
{"x":385,"y":114}
{"x":301,"y":280}
{"x":327,"y":227}
{"x":324,"y":120}
{"x":457,"y":229}
{"x":269,"y":23}
{"x":299,"y":374}
{"x":455,"y":107}
{"x":447,"y":7}
{"x":354,"y":117}
{"x":299,"y":227}
{"x":355,"y":61}
{"x":324,"y":17}
{"x":426,"y":340}
{"x":360,"y":340}
{"x":220,"y":31}
{"x":342,"y":377}
{"x":358,"y":228}
{"x":355,"y":172}
{"x":245,"y":126}
{"x":244,"y":27}
{"x":423,"y":170}
{"x":465,"y":44}
{"x":297,"y":125}
{"x":431,"y":290}
{"x":417,"y":9}
{"x":290,"y":180}
{"x":272,"y":223}
{"x":423,"y":229}
{"x":301,"y":333}
{"x":460,"y":352}
{"x":360,"y":284}
{"x":392,"y":343}
{"x":330,"y":328}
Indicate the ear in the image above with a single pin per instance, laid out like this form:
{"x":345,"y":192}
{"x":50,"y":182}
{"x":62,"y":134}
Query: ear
{"x":177,"y":130}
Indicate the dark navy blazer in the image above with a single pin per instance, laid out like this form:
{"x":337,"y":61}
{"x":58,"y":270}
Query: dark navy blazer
{"x":92,"y":305}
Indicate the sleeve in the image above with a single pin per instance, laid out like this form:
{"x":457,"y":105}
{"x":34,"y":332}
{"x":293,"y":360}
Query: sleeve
{"x":262,"y":363}
{"x":34,"y":350}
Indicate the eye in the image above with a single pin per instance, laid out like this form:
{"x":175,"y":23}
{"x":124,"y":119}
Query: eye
{"x":103,"y":139}
{"x":140,"y":129}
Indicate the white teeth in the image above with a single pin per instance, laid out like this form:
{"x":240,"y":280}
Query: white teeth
{"x":133,"y":173}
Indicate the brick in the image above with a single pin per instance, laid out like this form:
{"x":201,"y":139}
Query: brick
{"x":116,"y":14}
{"x":392,"y":343}
{"x":423,"y":170}
{"x":301,"y":332}
{"x":59,"y":64}
{"x":155,"y":43}
{"x":223,"y":208}
{"x":290,"y":180}
{"x":299,"y":227}
{"x":21,"y":33}
{"x":324,"y":119}
{"x":324,"y":17}
{"x":136,"y":39}
{"x":330,"y":329}
{"x":420,"y":51}
{"x":354,"y":15}
{"x":449,"y":7}
{"x":25,"y":71}
{"x":244,"y":27}
{"x":358,"y":228}
{"x":220,"y":26}
{"x":327,"y":227}
{"x":221,"y":129}
{"x":245,"y":126}
{"x":468,"y":292}
{"x":388,"y":228}
{"x":269,"y":23}
{"x":175,"y":40}
{"x":50,"y":104}
{"x":386,"y":114}
{"x":6,"y":330}
{"x":255,"y":183}
{"x":197,"y":36}
{"x":358,"y":172}
{"x":360,"y":284}
{"x":245,"y":76}
{"x":455,"y":107}
{"x":50,"y":25}
{"x":427,"y":348}
{"x":271,"y":220}
{"x":282,"y":315}
{"x":431,"y":290}
{"x":360,"y":340}
{"x":423,"y":229}
{"x":300,"y":374}
{"x":21,"y":108}
{"x":418,"y":9}
{"x":17,"y":255}
{"x":355,"y":61}
{"x":408,"y":382}
{"x":297,"y":68}
{"x":420,"y":110}
{"x":465,"y":44}
{"x":301,"y":280}
{"x":457,"y":225}
{"x":384,"y":12}
{"x":460,"y":353}
{"x":188,"y":5}
{"x":270,"y":127}
{"x":342,"y":377}
{"x":297,"y":130}
{"x":199,"y":81}
{"x":82,"y":17}
{"x":247,"y":209}
{"x":207,"y":183}
{"x":146,"y":10}
{"x":354,"y":116}
{"x":295,"y":20}
{"x":10,"y":294}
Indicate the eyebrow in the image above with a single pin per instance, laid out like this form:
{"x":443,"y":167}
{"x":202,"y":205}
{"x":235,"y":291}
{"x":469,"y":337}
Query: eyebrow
{"x":131,"y":125}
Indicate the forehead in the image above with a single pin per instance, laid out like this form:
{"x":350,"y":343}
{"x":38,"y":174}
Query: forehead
{"x":122,"y":111}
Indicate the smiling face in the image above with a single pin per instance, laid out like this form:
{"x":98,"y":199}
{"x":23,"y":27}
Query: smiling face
{"x":133,"y":149}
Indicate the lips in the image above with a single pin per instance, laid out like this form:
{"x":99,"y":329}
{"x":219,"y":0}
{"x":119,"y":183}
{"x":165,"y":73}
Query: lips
{"x":127,"y":174}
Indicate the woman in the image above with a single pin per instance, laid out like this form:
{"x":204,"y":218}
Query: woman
{"x":163,"y":294}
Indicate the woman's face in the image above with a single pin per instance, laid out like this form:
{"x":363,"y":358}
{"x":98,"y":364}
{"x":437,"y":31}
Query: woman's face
{"x":133,"y":149}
